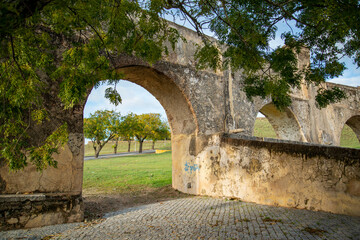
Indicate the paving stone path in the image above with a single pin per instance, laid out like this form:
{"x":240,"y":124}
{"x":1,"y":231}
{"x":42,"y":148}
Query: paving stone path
{"x":205,"y":218}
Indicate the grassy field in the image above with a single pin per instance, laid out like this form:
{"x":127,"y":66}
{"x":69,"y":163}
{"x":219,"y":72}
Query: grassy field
{"x":127,"y":174}
{"x":264,"y":129}
{"x":348,"y":138}
{"x":123,"y":147}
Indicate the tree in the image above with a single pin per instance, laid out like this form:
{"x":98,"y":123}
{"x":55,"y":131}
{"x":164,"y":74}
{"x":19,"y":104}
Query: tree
{"x":127,"y":127}
{"x":330,"y":29}
{"x":146,"y":126}
{"x":115,"y":146}
{"x":101,"y":127}
{"x":162,"y":132}
{"x":60,"y":50}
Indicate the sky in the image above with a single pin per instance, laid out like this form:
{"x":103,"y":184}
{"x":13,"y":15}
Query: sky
{"x":135,"y":99}
{"x":138,"y":100}
{"x":350,"y":77}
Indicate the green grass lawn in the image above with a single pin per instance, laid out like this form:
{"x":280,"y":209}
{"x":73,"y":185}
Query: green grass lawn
{"x":123,"y":147}
{"x":264,"y":129}
{"x":348,"y":138}
{"x":127,"y":174}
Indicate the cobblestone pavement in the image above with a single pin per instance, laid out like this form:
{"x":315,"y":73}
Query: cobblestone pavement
{"x":205,"y":218}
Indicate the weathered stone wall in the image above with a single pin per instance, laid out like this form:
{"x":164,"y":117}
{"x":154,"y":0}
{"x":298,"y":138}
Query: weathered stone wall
{"x":301,"y":121}
{"x":60,"y":185}
{"x":344,"y":112}
{"x":27,"y":211}
{"x":280,"y":173}
{"x":66,"y":178}
{"x":30,"y":198}
{"x":324,"y":126}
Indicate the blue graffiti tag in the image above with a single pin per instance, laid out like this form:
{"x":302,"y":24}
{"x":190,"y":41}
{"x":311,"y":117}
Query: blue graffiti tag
{"x":191,"y":168}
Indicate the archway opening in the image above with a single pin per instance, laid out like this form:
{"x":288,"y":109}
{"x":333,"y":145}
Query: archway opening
{"x":263,"y":128}
{"x":350,"y":134}
{"x":144,"y":178}
{"x":284,"y":124}
{"x":135,"y":100}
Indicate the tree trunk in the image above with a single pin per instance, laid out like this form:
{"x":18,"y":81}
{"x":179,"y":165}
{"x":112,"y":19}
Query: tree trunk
{"x":98,"y":149}
{"x":94,"y":147}
{"x":116,"y":145}
{"x":153,"y":145}
{"x":141,"y":144}
{"x":129,"y":145}
{"x":97,"y":152}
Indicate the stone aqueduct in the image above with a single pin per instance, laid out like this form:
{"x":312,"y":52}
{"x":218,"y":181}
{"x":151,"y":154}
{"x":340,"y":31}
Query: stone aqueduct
{"x":213,"y":152}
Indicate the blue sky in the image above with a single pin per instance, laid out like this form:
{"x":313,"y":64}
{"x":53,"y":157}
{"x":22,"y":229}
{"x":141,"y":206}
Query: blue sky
{"x":351,"y":75}
{"x":138,"y":100}
{"x":134,"y":99}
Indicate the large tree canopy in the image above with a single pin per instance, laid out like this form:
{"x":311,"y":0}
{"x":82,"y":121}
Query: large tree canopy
{"x":101,"y":127}
{"x":69,"y":44}
{"x":161,"y":132}
{"x":61,"y":49}
{"x":329,"y":28}
{"x":146,"y":126}
{"x":127,"y":127}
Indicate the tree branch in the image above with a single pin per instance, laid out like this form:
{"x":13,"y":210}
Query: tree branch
{"x":14,"y":57}
{"x":97,"y":33}
{"x":287,"y":13}
{"x":238,"y":34}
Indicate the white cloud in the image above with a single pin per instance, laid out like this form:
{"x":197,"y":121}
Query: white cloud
{"x":134,"y":99}
{"x":349,"y":81}
{"x":277,"y":42}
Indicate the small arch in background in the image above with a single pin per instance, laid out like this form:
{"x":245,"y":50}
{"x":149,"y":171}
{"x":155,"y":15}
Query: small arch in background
{"x":350,"y":134}
{"x":284,"y":123}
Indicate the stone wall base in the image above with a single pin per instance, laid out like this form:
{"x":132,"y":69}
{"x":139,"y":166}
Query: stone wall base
{"x":36,"y":210}
{"x":280,"y":173}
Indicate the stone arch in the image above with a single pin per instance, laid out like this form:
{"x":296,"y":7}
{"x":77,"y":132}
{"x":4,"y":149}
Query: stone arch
{"x":285,"y":123}
{"x":180,"y":114}
{"x":178,"y":108}
{"x":354,"y":123}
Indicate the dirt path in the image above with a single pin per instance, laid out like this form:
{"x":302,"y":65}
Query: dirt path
{"x":97,"y":204}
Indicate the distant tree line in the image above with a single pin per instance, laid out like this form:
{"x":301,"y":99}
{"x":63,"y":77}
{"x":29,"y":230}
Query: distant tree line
{"x":104,"y":125}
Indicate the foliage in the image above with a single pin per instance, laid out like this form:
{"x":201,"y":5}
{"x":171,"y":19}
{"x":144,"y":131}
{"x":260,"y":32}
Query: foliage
{"x":162,"y":132}
{"x":330,"y":29}
{"x":147,"y":126}
{"x":125,"y":131}
{"x":60,"y":49}
{"x":101,"y":127}
{"x":127,"y":126}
